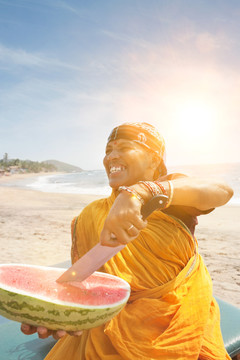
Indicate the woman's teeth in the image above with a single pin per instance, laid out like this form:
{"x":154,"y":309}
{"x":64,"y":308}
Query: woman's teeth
{"x":114,"y":169}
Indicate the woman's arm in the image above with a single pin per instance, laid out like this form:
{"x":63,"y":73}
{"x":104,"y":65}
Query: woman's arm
{"x":202,"y":194}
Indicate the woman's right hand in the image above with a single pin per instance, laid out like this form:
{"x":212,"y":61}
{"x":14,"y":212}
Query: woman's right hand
{"x":44,"y":333}
{"x":124,"y":221}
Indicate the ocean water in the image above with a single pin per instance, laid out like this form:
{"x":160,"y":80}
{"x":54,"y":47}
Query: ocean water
{"x":95,"y":181}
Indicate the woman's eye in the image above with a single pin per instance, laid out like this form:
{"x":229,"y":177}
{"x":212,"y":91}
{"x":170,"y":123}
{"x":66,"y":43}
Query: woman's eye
{"x":120,"y":149}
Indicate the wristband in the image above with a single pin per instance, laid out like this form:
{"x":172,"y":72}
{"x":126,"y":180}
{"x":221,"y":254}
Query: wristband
{"x":152,"y":187}
{"x":160,"y":185}
{"x":133,"y":192}
{"x":170,"y":193}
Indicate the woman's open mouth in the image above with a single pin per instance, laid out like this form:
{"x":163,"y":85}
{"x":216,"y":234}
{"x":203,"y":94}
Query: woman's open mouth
{"x":116,"y":169}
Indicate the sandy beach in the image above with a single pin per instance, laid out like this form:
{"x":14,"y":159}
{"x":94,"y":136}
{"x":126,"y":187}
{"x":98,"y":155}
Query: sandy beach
{"x":35,"y":229}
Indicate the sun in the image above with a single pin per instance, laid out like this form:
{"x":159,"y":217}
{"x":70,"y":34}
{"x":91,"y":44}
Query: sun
{"x":195,"y":119}
{"x":193,"y":130}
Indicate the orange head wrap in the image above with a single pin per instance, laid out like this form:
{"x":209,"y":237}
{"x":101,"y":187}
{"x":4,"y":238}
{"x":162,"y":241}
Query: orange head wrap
{"x":144,"y":134}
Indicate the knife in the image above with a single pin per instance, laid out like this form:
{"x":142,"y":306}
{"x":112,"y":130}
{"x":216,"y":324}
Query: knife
{"x":99,"y":254}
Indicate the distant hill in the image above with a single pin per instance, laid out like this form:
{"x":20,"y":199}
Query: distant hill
{"x":63,"y":167}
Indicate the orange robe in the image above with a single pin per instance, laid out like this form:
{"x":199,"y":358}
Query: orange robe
{"x":171,"y":313}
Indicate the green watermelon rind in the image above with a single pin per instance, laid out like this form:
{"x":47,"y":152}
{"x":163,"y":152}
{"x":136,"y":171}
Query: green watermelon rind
{"x":38,"y":311}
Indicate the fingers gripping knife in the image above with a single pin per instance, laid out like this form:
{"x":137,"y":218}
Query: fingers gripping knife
{"x":99,"y":254}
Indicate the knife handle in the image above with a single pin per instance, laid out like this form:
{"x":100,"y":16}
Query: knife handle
{"x":157,"y":202}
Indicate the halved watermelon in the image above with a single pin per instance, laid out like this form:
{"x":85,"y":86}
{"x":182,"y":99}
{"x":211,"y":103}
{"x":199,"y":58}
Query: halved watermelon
{"x":30,"y":294}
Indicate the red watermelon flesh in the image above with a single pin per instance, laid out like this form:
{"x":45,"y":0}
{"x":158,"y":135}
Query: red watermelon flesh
{"x":35,"y":280}
{"x":30,"y":294}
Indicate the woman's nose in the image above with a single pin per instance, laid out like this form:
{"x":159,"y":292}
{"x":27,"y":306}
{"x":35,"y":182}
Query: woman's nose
{"x":113,"y":154}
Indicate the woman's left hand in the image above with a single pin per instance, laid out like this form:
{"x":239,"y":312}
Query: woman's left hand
{"x":44,"y":333}
{"x":124,"y":221}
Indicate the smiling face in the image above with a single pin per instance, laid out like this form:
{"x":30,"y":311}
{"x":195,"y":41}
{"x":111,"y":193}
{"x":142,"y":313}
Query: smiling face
{"x":126,"y":162}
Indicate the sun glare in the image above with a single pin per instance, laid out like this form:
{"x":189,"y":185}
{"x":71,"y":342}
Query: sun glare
{"x":194,"y":130}
{"x":195,"y":119}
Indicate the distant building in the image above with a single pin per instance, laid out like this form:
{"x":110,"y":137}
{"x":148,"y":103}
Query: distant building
{"x":14,"y":169}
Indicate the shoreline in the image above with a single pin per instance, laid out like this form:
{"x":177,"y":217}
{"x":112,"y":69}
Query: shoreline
{"x":35,"y":228}
{"x":12,"y":178}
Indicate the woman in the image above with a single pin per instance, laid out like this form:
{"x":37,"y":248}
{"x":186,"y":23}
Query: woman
{"x":171,"y":313}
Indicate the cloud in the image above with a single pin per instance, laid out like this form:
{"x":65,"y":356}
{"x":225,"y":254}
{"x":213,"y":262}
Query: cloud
{"x":65,"y":6}
{"x":137,"y":41}
{"x":28,"y":4}
{"x":21,"y":57}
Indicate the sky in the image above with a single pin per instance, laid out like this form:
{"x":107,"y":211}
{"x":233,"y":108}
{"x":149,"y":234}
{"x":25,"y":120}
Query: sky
{"x":72,"y":70}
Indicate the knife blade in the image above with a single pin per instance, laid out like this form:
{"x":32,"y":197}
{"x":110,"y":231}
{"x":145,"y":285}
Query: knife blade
{"x":99,"y":254}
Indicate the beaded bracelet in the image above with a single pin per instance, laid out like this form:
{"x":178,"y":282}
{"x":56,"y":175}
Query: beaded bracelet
{"x":152,"y":187}
{"x":133,"y":192}
{"x":160,"y":185}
